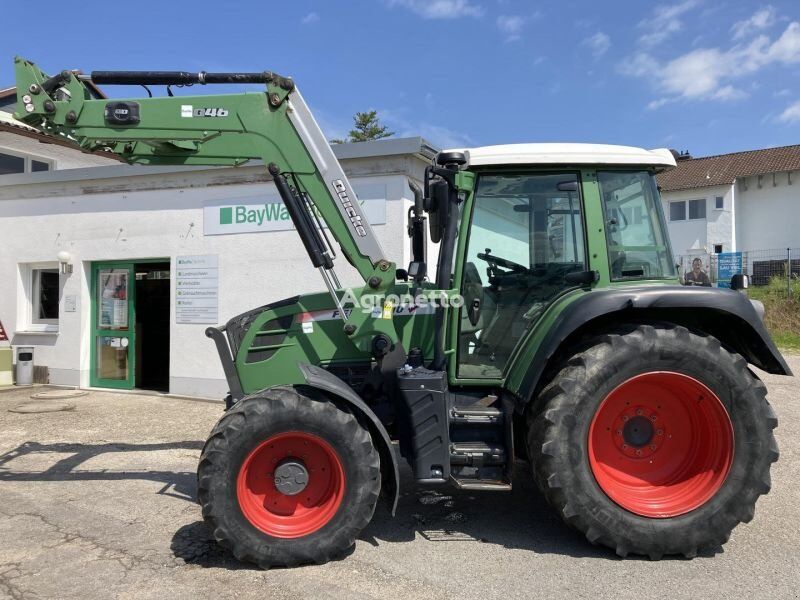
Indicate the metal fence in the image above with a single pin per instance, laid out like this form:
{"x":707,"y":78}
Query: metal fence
{"x":762,"y":266}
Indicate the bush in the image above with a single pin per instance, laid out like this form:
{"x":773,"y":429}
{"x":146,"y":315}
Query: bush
{"x":782,"y":311}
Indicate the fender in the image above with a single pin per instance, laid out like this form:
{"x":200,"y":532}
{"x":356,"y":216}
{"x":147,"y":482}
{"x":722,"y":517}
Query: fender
{"x":321,"y":379}
{"x":727,"y":315}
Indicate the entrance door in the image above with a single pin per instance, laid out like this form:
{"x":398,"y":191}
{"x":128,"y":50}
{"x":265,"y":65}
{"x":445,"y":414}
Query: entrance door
{"x":113,"y":325}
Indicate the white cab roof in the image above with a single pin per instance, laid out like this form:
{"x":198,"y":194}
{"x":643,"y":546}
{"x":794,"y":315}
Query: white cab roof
{"x":568,"y":154}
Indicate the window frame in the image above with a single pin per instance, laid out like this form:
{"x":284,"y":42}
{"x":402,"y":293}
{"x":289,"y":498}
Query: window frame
{"x":719,"y":202}
{"x":27,"y":305}
{"x":685,"y":214}
{"x":703,"y":202}
{"x":29,"y":159}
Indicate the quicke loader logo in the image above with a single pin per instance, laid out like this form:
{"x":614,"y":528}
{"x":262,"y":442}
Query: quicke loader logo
{"x":349,"y":209}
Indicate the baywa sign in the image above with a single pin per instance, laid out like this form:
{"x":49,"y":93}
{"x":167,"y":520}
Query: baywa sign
{"x":253,"y":214}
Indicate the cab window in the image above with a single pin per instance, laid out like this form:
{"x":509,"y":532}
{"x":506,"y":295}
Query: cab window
{"x":638,"y":245}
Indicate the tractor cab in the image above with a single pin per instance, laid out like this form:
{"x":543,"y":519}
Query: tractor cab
{"x":544,"y":219}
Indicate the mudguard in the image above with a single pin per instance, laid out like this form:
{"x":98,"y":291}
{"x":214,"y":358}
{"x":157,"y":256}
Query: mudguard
{"x":727,"y":315}
{"x":319,"y":378}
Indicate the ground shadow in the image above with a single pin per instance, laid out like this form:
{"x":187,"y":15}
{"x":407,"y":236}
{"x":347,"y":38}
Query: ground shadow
{"x":179,"y":484}
{"x":519,"y":519}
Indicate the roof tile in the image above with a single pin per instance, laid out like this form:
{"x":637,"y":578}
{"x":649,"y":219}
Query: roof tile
{"x":724,"y":169}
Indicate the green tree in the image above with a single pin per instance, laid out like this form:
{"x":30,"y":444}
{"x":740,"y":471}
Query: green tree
{"x":366,"y":126}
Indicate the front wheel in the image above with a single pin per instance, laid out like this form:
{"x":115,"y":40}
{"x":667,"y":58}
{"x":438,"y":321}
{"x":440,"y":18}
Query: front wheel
{"x":653,"y":441}
{"x":288,"y":478}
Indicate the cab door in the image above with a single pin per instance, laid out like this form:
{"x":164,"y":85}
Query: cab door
{"x":525,"y":235}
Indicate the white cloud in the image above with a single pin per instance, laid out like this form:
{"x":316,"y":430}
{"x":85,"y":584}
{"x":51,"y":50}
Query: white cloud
{"x":440,"y":9}
{"x":404,"y":125}
{"x":708,"y":73}
{"x":791,"y":114}
{"x":599,"y":44}
{"x":761,"y":19}
{"x":440,"y":136}
{"x":664,"y":22}
{"x":310,"y":18}
{"x":511,"y":26}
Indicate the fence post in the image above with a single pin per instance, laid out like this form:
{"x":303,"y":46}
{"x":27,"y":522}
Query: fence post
{"x":788,"y":273}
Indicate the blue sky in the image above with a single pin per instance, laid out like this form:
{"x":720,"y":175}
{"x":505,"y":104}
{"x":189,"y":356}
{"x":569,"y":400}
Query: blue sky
{"x":710,"y":76}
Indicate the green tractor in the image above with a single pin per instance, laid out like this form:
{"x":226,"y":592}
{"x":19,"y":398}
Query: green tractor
{"x":551,"y":329}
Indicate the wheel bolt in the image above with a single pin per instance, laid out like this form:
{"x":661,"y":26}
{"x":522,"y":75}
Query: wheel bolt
{"x":619,"y":431}
{"x":639,"y":411}
{"x":624,"y":417}
{"x":624,"y":446}
{"x":653,"y":418}
{"x":659,"y":432}
{"x":652,"y":446}
{"x":638,"y":453}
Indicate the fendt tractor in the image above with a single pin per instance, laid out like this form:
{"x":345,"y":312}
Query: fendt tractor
{"x":552,"y":330}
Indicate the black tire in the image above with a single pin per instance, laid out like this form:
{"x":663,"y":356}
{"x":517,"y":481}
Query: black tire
{"x":558,"y":440}
{"x":242,"y":429}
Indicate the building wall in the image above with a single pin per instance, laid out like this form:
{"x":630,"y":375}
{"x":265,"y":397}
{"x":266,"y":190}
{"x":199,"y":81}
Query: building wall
{"x":756,"y":216}
{"x":691,"y":236}
{"x":129,"y":213}
{"x":768,"y":216}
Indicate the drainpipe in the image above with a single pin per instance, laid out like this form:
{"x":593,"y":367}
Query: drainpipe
{"x":733,"y":216}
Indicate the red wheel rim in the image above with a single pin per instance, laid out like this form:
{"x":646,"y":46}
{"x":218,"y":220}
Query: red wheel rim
{"x":291,"y":516}
{"x":661,"y":444}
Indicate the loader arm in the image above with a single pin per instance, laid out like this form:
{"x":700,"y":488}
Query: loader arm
{"x":275,"y":126}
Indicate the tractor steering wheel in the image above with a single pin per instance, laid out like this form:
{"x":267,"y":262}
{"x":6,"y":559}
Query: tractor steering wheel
{"x":497,"y":261}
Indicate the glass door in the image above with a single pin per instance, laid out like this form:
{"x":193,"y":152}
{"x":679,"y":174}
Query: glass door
{"x":113,"y":325}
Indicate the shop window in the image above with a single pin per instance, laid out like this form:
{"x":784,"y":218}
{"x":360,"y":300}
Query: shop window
{"x":38,"y":306}
{"x":14,"y":162}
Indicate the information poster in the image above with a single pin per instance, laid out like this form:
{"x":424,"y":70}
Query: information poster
{"x":197,"y":289}
{"x":113,"y":292}
{"x":728,"y":265}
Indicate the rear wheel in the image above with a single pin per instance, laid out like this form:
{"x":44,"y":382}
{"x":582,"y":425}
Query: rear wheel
{"x":287,"y":478}
{"x":653,"y":441}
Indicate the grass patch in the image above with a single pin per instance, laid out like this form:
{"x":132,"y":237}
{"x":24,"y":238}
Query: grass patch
{"x":782,"y":311}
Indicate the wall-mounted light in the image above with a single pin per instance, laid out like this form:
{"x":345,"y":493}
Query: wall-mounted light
{"x":63,"y":260}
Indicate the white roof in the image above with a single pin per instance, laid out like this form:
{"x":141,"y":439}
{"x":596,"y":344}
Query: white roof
{"x":568,"y":154}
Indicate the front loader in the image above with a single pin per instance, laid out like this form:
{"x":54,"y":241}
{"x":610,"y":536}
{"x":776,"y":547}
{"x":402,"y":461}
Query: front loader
{"x":551,"y":329}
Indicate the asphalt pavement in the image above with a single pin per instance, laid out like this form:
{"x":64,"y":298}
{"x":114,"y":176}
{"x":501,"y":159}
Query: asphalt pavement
{"x":99,"y":502}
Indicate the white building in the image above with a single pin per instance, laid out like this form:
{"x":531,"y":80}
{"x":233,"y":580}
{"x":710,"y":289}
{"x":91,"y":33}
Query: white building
{"x":128,"y":234}
{"x":744,"y":201}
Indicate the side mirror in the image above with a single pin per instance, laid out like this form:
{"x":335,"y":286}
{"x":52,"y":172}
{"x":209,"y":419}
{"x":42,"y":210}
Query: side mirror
{"x":438,"y":209}
{"x":740,"y":281}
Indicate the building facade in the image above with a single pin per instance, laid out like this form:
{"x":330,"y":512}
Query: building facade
{"x":745,"y":201}
{"x":112,"y":272}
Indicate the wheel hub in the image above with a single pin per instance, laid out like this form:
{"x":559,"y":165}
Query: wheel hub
{"x":291,"y":477}
{"x":638,"y":431}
